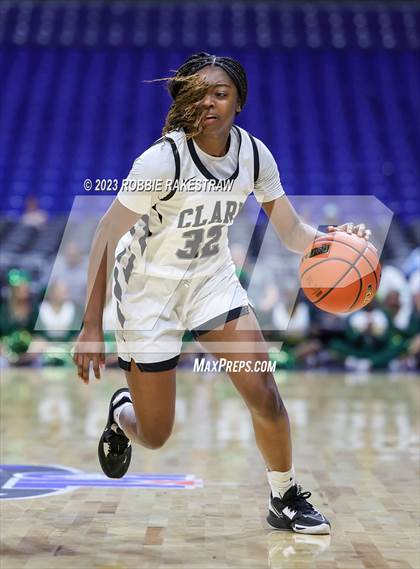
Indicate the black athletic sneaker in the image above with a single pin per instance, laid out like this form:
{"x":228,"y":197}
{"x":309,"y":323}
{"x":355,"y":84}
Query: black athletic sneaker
{"x":114,"y":449}
{"x":294,"y":512}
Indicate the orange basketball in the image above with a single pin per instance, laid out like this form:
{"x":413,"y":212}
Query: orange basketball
{"x":340,"y":272}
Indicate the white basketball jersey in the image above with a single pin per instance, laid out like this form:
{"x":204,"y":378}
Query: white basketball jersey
{"x":183,"y":229}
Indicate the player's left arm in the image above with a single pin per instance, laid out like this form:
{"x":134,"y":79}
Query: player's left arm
{"x":294,"y":233}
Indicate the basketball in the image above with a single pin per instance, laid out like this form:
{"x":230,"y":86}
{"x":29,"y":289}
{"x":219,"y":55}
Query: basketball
{"x":340,"y":272}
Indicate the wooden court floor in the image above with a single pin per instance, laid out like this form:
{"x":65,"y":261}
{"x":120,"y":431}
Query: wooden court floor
{"x":356,"y":448}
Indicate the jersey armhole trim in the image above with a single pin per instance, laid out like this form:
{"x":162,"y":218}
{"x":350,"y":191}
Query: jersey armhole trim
{"x":256,"y":158}
{"x":177,"y":168}
{"x":177,"y":165}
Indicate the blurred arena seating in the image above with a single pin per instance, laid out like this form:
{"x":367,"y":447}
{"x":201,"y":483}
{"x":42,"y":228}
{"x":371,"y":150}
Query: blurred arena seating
{"x":333,"y":91}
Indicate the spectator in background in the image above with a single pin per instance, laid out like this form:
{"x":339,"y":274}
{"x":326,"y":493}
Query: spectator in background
{"x":18,"y":315}
{"x":291,"y":320}
{"x":58,"y":321}
{"x":392,"y":304}
{"x":59,"y":316}
{"x":71,"y":268}
{"x":412,"y":263}
{"x":369,"y":341}
{"x":408,"y":336}
{"x":265,"y":304}
{"x":239,"y":257}
{"x":413,"y":330}
{"x":291,"y":315}
{"x":33,"y":216}
{"x":331,"y":214}
{"x":394,"y":281}
{"x":324,"y":328}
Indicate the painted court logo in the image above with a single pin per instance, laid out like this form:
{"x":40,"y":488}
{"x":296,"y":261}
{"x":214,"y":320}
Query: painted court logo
{"x":19,"y":482}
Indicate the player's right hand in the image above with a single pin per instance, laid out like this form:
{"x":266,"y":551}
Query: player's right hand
{"x":89,"y":347}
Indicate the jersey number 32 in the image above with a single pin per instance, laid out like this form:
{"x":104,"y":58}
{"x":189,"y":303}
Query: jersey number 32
{"x":194,"y":247}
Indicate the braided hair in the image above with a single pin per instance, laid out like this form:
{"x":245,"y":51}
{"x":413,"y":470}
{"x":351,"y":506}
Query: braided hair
{"x":187,"y":90}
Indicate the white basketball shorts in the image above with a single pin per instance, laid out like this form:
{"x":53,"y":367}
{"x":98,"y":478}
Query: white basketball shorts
{"x":156,"y":312}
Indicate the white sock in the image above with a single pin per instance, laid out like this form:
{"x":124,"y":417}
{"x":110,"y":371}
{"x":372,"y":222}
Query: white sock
{"x":119,"y":409}
{"x":118,"y":412}
{"x":280,"y":482}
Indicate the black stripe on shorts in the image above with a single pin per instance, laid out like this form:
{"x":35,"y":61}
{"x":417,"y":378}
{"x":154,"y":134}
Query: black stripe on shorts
{"x":219,"y":320}
{"x":155,"y":366}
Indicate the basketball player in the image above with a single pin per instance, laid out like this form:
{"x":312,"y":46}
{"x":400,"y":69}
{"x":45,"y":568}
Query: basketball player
{"x":173,"y":271}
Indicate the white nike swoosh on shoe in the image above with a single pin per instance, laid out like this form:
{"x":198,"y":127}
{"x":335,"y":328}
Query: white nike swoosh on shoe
{"x":275,"y":511}
{"x":289,"y":513}
{"x":314,"y":530}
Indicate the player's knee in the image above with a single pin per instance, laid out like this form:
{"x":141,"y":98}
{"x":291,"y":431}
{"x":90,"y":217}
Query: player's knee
{"x":267,"y":402}
{"x":156,"y":438}
{"x":156,"y":442}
